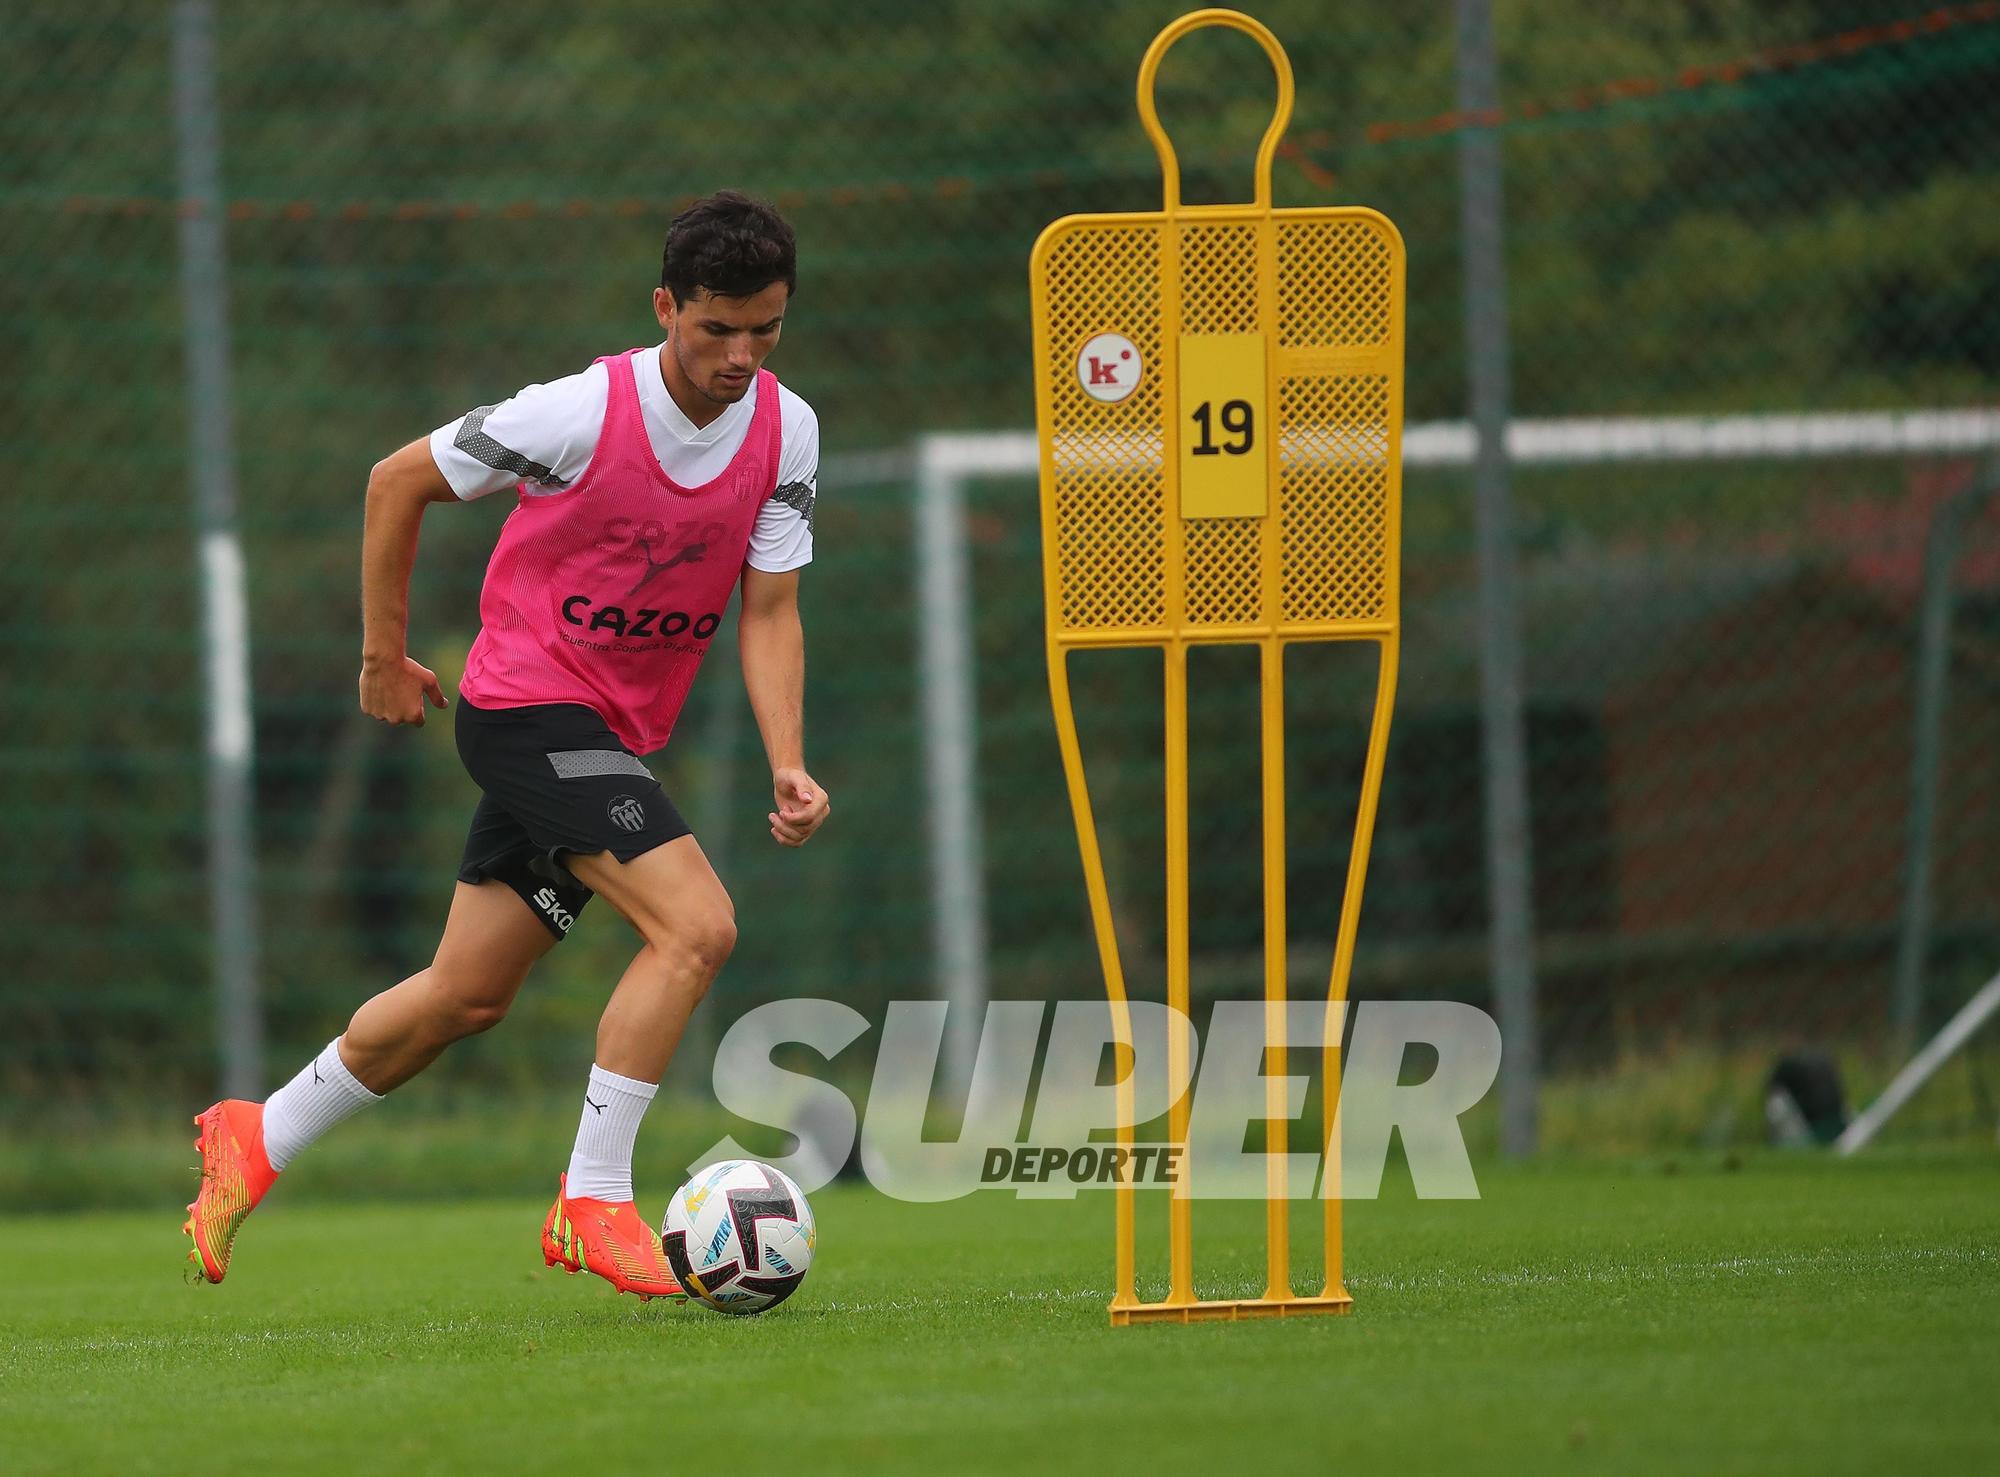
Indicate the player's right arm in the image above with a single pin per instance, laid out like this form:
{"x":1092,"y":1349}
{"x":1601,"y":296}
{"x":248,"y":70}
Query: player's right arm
{"x":402,"y":485}
{"x":540,"y":440}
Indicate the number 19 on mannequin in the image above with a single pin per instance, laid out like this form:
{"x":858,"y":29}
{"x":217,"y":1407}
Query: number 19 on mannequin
{"x":1224,"y":461}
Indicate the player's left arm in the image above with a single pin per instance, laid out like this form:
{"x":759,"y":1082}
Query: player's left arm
{"x":771,"y":640}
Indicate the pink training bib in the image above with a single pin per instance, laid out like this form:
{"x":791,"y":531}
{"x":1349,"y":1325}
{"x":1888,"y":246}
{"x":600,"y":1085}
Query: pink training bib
{"x":608,"y":592}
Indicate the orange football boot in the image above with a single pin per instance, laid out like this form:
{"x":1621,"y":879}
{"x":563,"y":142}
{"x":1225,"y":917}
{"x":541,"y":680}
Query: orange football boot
{"x":235,"y":1175}
{"x":610,"y":1238}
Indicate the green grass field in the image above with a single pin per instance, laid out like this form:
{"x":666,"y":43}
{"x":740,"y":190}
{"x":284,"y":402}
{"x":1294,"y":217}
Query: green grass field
{"x":1782,"y":1314}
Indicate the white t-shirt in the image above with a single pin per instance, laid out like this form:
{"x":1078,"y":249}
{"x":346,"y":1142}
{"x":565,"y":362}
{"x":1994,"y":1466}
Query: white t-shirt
{"x":544,"y":436}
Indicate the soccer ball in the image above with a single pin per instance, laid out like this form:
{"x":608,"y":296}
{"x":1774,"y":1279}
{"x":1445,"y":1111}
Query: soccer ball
{"x":739,"y":1236}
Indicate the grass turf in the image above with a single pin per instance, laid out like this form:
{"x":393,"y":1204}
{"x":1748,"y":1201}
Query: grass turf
{"x":1781,"y":1315}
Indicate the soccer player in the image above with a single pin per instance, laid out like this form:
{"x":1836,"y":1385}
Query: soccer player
{"x":649,"y":484}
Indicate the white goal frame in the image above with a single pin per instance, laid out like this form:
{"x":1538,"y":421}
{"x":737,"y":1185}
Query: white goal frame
{"x":945,"y":463}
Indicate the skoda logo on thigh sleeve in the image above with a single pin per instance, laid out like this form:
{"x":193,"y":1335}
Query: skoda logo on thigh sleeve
{"x":627,"y":814}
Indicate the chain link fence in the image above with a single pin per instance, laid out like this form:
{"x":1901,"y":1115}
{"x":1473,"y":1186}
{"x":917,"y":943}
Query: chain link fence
{"x":1774,"y":210}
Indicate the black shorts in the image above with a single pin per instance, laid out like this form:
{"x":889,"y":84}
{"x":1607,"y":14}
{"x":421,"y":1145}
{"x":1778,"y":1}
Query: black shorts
{"x":554,"y":779}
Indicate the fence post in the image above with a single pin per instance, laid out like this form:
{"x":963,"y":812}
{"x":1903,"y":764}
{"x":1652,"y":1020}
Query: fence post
{"x":951,"y":752}
{"x":232,"y":861}
{"x":1509,"y":867}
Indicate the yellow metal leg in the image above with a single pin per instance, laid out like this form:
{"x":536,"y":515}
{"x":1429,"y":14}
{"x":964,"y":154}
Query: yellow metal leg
{"x":1125,"y":1294}
{"x":1180,"y":1211}
{"x":1343,"y":953}
{"x":1277,"y":1205}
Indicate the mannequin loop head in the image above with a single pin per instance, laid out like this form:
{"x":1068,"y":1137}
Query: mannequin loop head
{"x":1149,"y":69}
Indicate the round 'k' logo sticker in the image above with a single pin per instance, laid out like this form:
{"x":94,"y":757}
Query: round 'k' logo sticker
{"x":627,"y":814}
{"x":1109,"y":367}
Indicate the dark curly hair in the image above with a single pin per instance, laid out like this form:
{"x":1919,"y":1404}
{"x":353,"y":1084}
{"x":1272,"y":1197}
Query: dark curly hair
{"x":728,"y":245}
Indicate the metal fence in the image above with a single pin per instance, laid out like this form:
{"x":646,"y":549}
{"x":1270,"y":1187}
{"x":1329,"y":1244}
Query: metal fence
{"x":1778,"y":213}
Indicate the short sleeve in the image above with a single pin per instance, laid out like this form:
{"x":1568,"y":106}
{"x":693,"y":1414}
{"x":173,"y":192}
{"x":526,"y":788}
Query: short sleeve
{"x":783,"y":537}
{"x":543,"y":437}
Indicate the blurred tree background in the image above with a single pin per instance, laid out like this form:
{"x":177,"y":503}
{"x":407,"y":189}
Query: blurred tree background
{"x":1713,"y":206}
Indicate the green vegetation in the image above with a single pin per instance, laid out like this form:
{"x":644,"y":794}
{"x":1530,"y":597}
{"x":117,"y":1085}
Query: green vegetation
{"x":1787,"y":1315}
{"x":438,"y":204}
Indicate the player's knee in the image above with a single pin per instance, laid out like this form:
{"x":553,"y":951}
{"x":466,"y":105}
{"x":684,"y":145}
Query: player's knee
{"x":712,"y":941}
{"x":470,"y":1017}
{"x":704,"y":940}
{"x":464,"y":1007}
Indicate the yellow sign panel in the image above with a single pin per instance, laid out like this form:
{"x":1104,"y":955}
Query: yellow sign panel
{"x":1224,"y":431}
{"x":1219,"y":395}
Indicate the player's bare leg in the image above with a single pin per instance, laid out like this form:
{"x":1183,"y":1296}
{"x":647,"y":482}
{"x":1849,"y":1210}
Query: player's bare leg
{"x":673,"y":898}
{"x":676,"y":903}
{"x":491,"y":941}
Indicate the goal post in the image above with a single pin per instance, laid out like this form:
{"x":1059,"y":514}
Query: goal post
{"x":943,"y":466}
{"x":1960,"y":1029}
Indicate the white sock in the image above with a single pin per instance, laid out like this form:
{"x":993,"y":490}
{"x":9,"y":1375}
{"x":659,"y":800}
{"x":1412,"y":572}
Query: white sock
{"x":311,"y":1103}
{"x":600,"y":1168}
